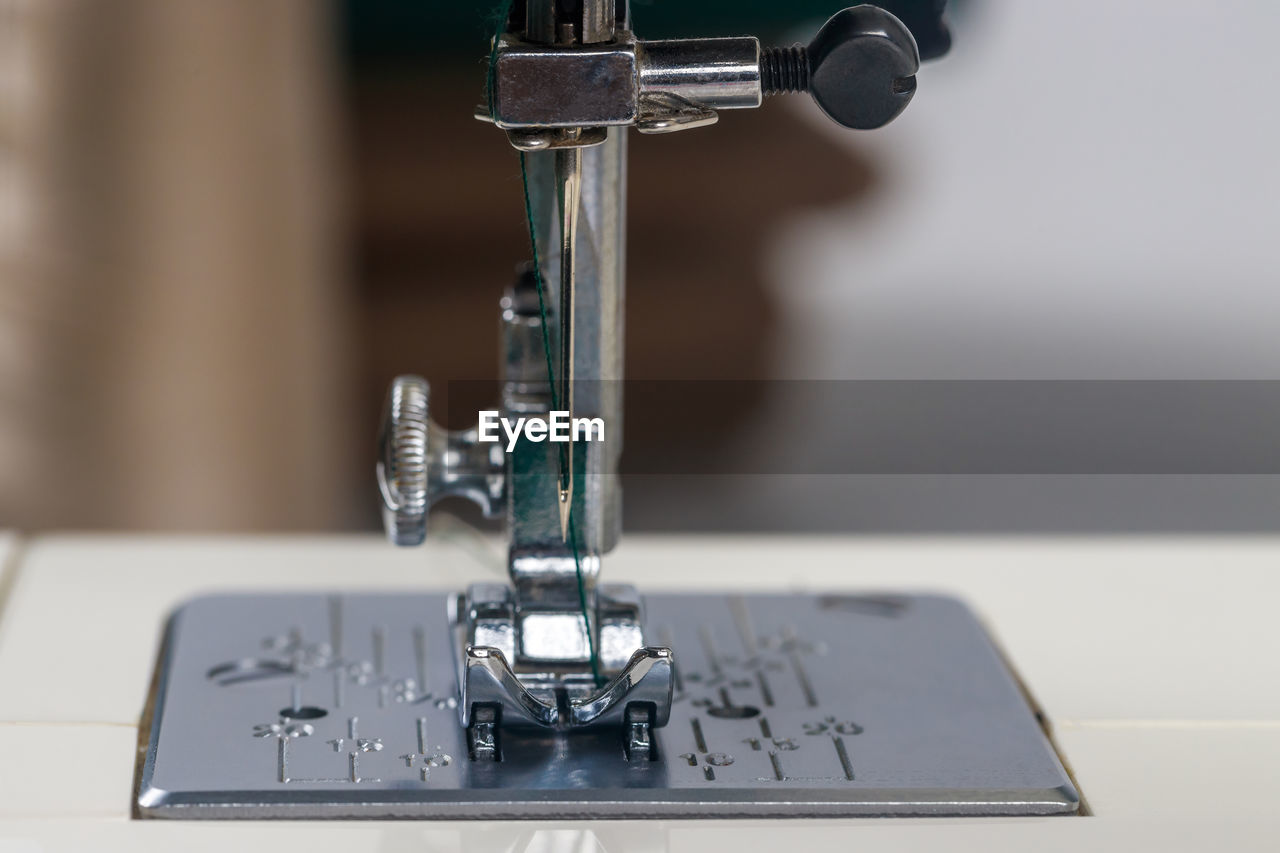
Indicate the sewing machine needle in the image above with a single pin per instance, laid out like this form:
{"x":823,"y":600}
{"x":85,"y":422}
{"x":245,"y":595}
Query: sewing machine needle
{"x":569,"y":176}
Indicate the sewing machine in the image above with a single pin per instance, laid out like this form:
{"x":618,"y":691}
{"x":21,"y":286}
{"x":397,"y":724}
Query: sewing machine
{"x":557,"y":694}
{"x":346,"y":685}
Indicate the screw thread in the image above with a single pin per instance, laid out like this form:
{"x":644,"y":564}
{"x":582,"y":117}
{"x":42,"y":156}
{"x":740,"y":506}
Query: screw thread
{"x":784,"y":69}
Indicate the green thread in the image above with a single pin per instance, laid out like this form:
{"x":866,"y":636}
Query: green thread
{"x":501,"y":15}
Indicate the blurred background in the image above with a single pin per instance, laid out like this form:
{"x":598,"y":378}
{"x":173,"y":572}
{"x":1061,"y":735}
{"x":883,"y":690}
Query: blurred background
{"x":1045,"y":299}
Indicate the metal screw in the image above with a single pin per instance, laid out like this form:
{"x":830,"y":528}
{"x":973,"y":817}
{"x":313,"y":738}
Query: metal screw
{"x":860,"y":68}
{"x":784,"y":69}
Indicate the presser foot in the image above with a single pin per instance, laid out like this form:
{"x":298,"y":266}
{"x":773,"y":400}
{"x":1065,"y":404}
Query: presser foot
{"x":530,"y":663}
{"x":636,"y":701}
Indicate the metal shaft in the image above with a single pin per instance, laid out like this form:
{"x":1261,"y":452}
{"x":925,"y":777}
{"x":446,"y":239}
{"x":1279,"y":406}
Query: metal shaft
{"x":598,"y":342}
{"x":569,"y":181}
{"x":588,"y":319}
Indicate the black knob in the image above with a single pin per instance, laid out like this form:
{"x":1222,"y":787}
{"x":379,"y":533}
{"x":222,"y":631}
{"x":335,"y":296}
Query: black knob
{"x":860,"y":68}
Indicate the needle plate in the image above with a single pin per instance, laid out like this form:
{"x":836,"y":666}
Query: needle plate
{"x":342,"y":706}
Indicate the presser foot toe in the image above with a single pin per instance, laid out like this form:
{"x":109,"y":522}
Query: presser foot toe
{"x":493,"y":698}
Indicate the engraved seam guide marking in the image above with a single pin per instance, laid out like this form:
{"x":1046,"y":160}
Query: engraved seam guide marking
{"x":843,"y":753}
{"x":742,"y":618}
{"x":766,"y":692}
{"x":699,"y":739}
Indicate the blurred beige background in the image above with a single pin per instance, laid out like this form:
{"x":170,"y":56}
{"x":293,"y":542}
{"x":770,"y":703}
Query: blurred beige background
{"x":225,"y":243}
{"x":223,"y":230}
{"x":171,"y":306}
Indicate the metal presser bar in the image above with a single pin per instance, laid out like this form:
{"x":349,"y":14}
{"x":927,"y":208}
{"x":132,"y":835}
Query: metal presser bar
{"x":555,"y":648}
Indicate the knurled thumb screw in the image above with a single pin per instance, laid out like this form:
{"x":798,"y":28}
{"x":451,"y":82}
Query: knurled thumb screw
{"x":860,"y":68}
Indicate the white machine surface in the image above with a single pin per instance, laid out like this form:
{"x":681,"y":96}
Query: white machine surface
{"x":1154,"y":661}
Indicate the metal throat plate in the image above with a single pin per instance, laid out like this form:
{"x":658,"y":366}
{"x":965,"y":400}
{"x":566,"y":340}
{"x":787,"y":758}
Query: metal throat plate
{"x":342,"y":706}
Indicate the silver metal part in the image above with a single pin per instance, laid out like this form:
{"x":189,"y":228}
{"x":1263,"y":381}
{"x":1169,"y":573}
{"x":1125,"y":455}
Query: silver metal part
{"x":345,"y":706}
{"x":524,"y":655}
{"x":597,"y":24}
{"x":599,"y":18}
{"x":402,"y":466}
{"x":525,"y":385}
{"x":598,"y":347}
{"x":664,"y":113}
{"x":569,"y":184}
{"x":540,"y":86}
{"x":540,"y":24}
{"x":717,"y":73}
{"x":421,"y":463}
{"x":489,"y":687}
{"x":553,"y":139}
